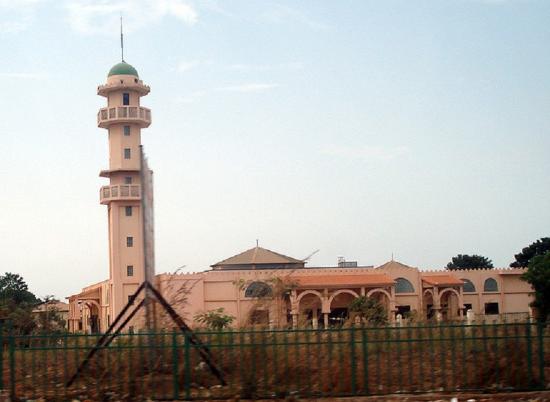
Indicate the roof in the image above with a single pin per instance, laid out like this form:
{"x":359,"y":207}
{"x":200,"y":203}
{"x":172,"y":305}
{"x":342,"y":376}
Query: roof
{"x":258,"y":255}
{"x":340,"y":280}
{"x":122,"y":68}
{"x":54,"y":304}
{"x":395,"y":265}
{"x":439,"y":280}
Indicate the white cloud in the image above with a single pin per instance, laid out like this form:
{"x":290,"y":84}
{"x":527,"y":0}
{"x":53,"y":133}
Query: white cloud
{"x":282,"y":13}
{"x":185,"y":66}
{"x":18,"y":15}
{"x":366,"y":152}
{"x":251,"y":87}
{"x":102,"y":16}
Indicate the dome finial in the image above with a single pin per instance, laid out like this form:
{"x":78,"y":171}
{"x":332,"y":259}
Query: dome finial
{"x":121,"y":39}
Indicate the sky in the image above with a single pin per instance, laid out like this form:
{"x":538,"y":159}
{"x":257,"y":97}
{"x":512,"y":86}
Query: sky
{"x":357,"y":128}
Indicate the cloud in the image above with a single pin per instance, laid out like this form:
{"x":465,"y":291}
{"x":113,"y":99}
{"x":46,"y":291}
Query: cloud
{"x":365,"y":152}
{"x":16,"y":16}
{"x":102,"y":17}
{"x":251,"y":87}
{"x":282,"y":13}
{"x":185,"y":66}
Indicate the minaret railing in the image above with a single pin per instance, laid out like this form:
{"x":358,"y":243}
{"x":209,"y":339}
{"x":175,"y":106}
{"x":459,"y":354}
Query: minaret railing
{"x":124,"y":113}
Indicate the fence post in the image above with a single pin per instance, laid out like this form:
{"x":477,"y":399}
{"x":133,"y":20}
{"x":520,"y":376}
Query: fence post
{"x":12,"y":362}
{"x":187,"y":382}
{"x":365,"y":359}
{"x":540,"y":338}
{"x":353,"y":362}
{"x":1,"y":355}
{"x":175,"y":376}
{"x":529,"y":355}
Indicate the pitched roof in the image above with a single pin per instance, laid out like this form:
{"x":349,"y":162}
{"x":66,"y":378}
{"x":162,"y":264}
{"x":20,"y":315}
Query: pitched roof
{"x":258,"y":255}
{"x":343,"y":280}
{"x":394,"y":265}
{"x":442,"y":280}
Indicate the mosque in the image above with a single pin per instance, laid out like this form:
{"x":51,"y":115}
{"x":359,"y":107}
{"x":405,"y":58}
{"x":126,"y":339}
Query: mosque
{"x":260,"y":286}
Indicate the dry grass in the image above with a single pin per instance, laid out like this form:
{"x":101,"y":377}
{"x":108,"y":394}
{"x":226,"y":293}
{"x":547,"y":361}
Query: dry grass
{"x":260,"y":364}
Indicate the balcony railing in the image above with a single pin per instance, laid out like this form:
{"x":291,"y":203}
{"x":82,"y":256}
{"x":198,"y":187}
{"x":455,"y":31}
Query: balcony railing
{"x":124,"y":114}
{"x":119,"y":192}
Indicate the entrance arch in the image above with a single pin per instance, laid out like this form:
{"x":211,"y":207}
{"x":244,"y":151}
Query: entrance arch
{"x":449,"y":300}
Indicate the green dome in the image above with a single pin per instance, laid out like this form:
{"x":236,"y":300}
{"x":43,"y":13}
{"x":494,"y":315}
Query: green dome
{"x":123,"y":68}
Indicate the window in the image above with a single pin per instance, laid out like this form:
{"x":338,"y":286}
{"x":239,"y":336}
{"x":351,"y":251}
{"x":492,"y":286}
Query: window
{"x":403,"y":286}
{"x":130,"y":298}
{"x":128,"y":211}
{"x":491,"y":308}
{"x":259,"y":317}
{"x":490,"y":285}
{"x":468,"y":286}
{"x":405,"y":311}
{"x":258,"y":289}
{"x":467,"y":306}
{"x":129,"y":270}
{"x":129,"y":241}
{"x":126,"y":153}
{"x":128,"y":180}
{"x":127,"y":131}
{"x":125,"y":99}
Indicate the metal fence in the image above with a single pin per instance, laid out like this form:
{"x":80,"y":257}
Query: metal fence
{"x":277,"y":363}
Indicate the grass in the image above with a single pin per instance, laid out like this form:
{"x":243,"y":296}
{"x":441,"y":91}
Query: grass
{"x":269,"y":364}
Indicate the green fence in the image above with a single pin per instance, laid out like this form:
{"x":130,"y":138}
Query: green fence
{"x":277,"y":363}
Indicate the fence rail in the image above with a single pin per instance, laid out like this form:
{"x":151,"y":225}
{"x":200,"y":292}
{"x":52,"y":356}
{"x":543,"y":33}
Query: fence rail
{"x":276,"y":363}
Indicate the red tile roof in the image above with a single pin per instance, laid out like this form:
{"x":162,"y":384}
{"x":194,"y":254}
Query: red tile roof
{"x":344,"y":280}
{"x":442,"y":280}
{"x":258,"y":255}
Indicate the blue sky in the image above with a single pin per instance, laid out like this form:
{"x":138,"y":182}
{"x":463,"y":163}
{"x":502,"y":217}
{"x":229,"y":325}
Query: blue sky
{"x":360,"y":128}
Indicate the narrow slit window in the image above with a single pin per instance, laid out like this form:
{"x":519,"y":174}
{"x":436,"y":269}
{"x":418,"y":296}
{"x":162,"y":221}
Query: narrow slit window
{"x":127,"y":131}
{"x":128,"y":180}
{"x":127,"y":153}
{"x":128,"y":211}
{"x":129,"y":270}
{"x":126,"y":99}
{"x":129,"y":241}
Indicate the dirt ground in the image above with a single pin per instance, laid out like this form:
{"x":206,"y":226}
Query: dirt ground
{"x":539,"y":396}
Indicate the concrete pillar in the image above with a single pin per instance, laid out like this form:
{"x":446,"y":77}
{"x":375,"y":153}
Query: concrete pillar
{"x":470,"y":317}
{"x":325,"y":320}
{"x":399,"y":320}
{"x":294,"y":320}
{"x":314,"y":319}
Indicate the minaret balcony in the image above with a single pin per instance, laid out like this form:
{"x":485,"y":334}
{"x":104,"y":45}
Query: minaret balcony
{"x":124,"y":114}
{"x":119,"y":192}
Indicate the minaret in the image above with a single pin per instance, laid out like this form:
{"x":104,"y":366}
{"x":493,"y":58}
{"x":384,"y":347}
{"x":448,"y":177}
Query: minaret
{"x":123,"y":118}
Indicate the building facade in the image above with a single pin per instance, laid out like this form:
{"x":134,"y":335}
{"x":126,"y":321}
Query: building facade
{"x":259,"y":286}
{"x":123,"y":118}
{"x":262,"y":287}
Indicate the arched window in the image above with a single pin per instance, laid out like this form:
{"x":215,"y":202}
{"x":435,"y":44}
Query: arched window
{"x":490,"y":285}
{"x":403,"y":286}
{"x":258,"y":289}
{"x":468,"y":286}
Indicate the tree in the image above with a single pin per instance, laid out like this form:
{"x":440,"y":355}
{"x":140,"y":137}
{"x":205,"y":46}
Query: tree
{"x":16,"y":303}
{"x":465,"y":261}
{"x":48,"y":317}
{"x":369,"y":310}
{"x":538,"y":276}
{"x":539,"y":247}
{"x":13,"y":288}
{"x":215,"y":320}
